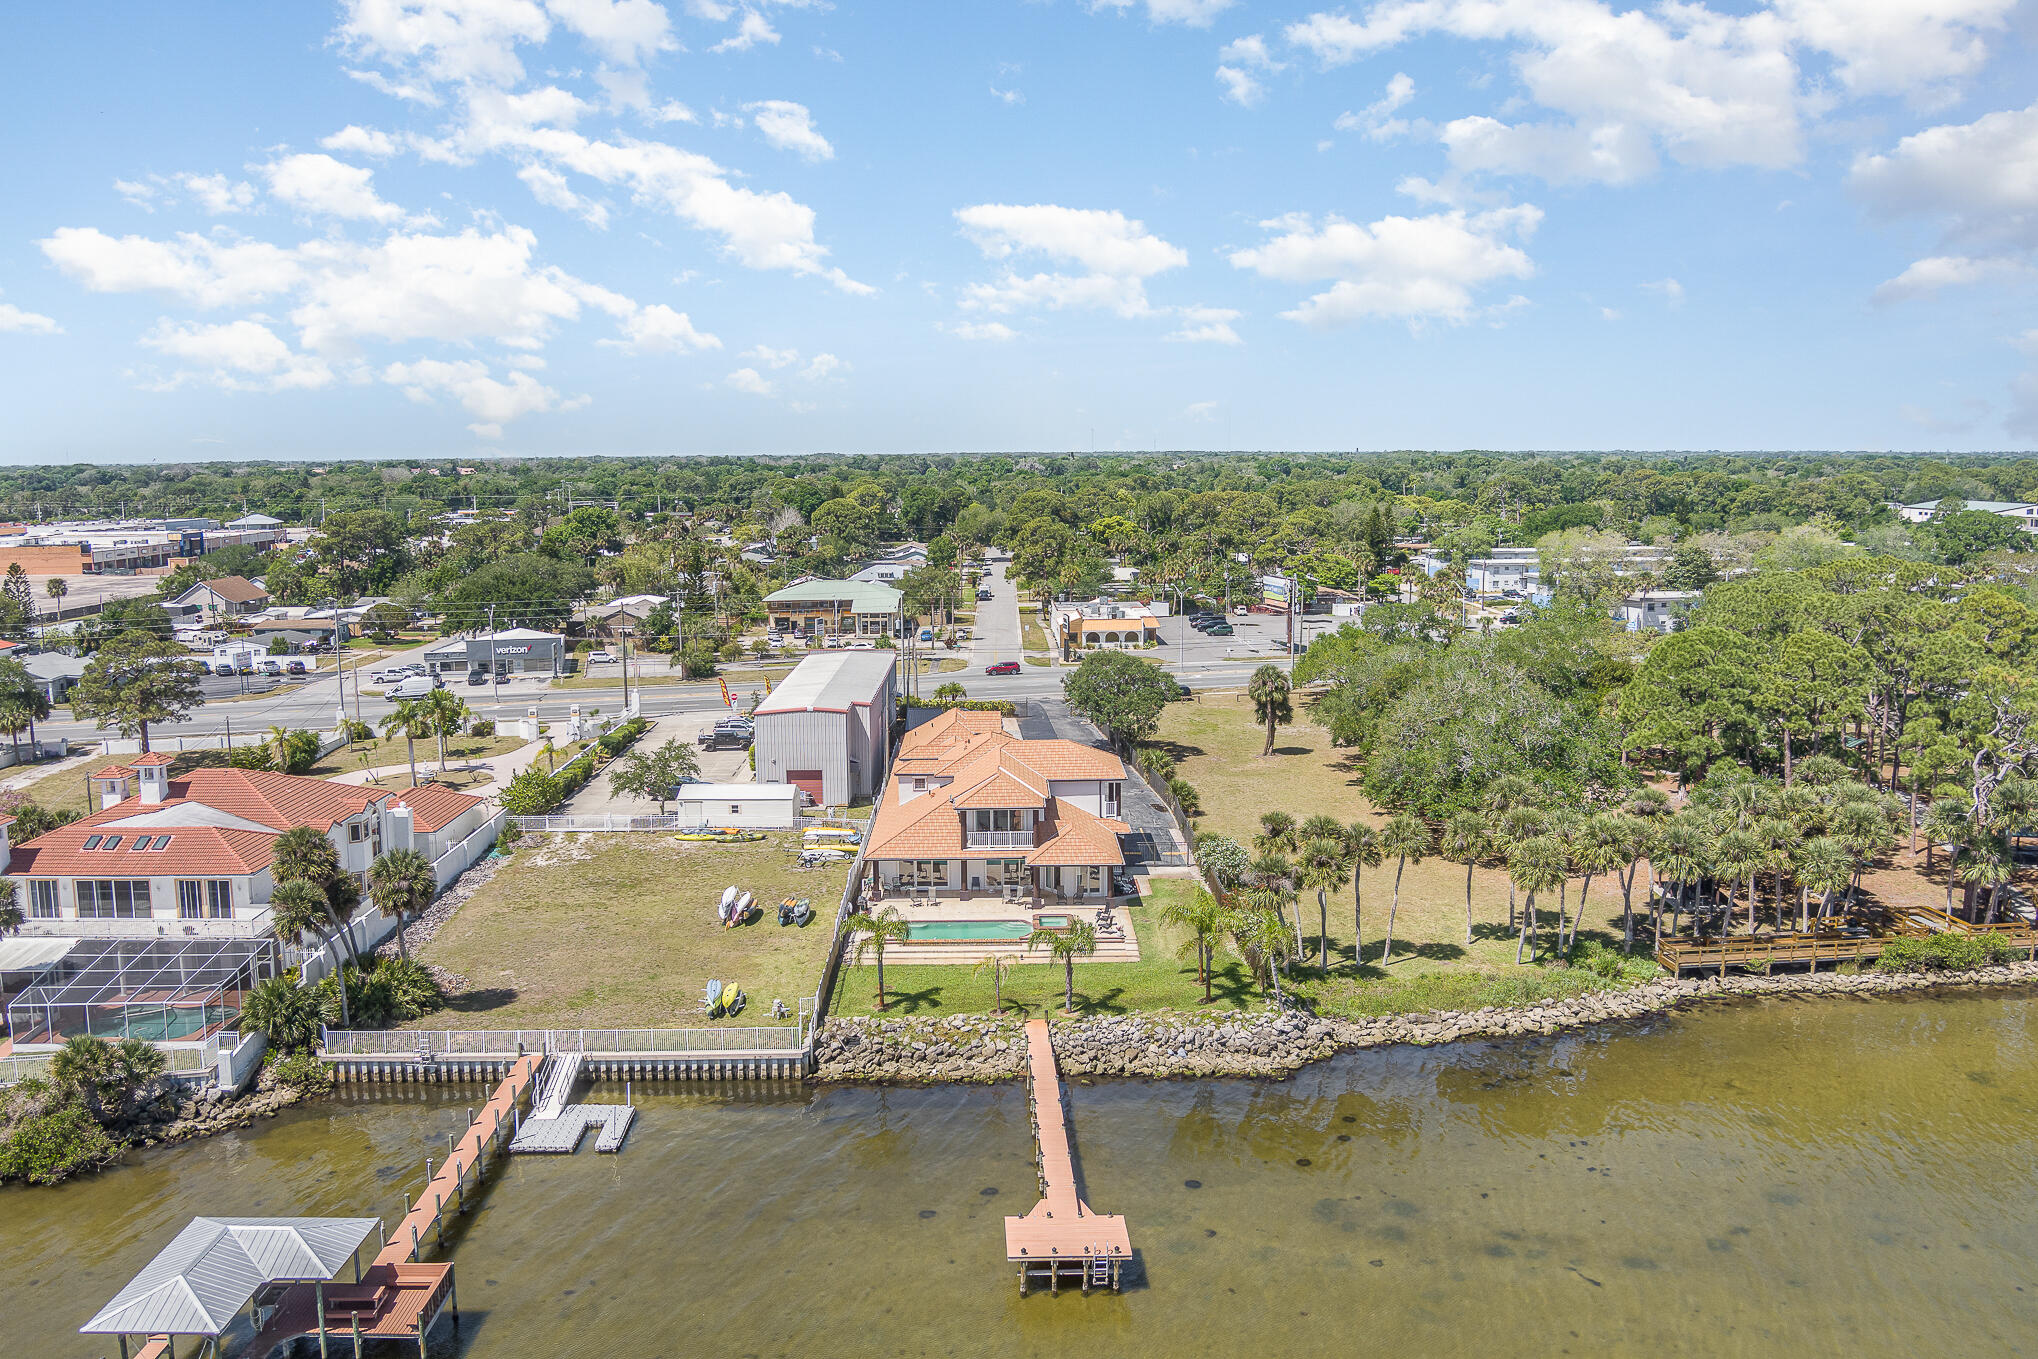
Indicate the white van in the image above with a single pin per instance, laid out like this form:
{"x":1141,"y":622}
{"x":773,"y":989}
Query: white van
{"x":416,"y":686}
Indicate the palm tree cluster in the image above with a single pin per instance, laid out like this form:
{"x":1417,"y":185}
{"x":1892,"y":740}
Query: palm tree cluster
{"x":1981,"y":832}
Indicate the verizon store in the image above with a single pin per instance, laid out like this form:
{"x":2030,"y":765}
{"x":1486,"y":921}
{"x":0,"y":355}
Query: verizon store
{"x":512,"y":651}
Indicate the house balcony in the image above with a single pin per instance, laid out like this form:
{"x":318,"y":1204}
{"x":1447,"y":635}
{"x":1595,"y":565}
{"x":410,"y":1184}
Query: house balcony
{"x":996,"y":839}
{"x":254,"y":926}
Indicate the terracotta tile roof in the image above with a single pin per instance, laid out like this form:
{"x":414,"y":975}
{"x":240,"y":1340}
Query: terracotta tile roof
{"x":115,"y":771}
{"x":434,"y":808}
{"x":952,"y":725}
{"x":1069,"y":760}
{"x":1001,"y":788}
{"x":925,"y":828}
{"x":1071,"y":835}
{"x":154,"y":757}
{"x":192,"y":851}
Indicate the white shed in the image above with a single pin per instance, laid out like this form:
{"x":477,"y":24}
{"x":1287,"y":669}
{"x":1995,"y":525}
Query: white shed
{"x":753,"y":806}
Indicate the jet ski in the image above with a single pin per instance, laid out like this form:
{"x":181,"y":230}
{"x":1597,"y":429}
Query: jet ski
{"x":732,"y":999}
{"x":714,"y":1000}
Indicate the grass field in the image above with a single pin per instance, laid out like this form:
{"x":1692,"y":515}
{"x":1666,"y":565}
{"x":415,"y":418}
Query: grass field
{"x":1216,"y":745}
{"x":1032,"y":636}
{"x":617,"y":931}
{"x":348,"y":759}
{"x":1165,"y":979}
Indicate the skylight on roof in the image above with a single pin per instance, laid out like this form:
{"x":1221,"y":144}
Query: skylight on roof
{"x":112,"y":842}
{"x":162,"y":842}
{"x":92,"y":841}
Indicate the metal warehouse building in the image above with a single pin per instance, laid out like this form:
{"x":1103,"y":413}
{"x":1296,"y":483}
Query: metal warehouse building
{"x":827,"y":728}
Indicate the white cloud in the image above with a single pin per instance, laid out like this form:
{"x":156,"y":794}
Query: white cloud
{"x":461,"y":41}
{"x":996,"y":331}
{"x":754,"y":29}
{"x":625,"y":32}
{"x":658,"y":329}
{"x":550,"y":187}
{"x":410,"y":91}
{"x":1206,"y":325}
{"x":239,"y":355}
{"x":1119,"y":253}
{"x":1240,"y":87}
{"x":1669,"y":289}
{"x":822,"y":367}
{"x":493,"y":403}
{"x":1200,"y":411}
{"x":137,"y":192}
{"x":214,"y":194}
{"x":360,"y":141}
{"x":771,"y":358}
{"x":1007,"y":96}
{"x":314,"y":182}
{"x":1979,"y":180}
{"x":13,"y":320}
{"x":790,"y":127}
{"x":205,"y":271}
{"x":1376,"y":120}
{"x":435,"y":287}
{"x":748,"y":380}
{"x":1403,"y":268}
{"x":1194,"y":13}
{"x":1914,"y":47}
{"x":1249,"y":51}
{"x":1609,"y":314}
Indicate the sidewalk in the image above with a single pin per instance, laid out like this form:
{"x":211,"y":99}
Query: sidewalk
{"x":599,"y":798}
{"x":501,"y":769}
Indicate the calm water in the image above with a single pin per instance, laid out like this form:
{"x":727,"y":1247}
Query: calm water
{"x":1839,"y":1177}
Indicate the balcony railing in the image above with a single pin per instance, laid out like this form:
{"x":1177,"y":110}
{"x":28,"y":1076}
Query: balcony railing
{"x":255,"y":926}
{"x":1005,"y":839}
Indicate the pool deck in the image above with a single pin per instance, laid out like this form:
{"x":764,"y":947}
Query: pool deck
{"x":985,"y":906}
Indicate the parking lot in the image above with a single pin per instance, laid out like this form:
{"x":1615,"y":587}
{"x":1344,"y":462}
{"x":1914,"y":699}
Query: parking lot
{"x":1259,"y":634}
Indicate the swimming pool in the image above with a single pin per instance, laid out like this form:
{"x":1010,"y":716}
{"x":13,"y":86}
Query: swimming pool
{"x":951,"y":931}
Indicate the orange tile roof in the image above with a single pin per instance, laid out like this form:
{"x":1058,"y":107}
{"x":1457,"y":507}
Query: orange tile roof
{"x":434,"y":807}
{"x":115,"y":771}
{"x":1074,"y":836}
{"x":191,"y":851}
{"x":927,"y":827}
{"x":153,"y":758}
{"x":992,"y":769}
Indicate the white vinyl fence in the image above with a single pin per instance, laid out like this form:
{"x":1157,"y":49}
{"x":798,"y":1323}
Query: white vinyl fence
{"x":594,"y":1042}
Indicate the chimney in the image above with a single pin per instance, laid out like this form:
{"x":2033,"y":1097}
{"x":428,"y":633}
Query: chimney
{"x":6,"y":843}
{"x":402,"y":834}
{"x":154,"y":773}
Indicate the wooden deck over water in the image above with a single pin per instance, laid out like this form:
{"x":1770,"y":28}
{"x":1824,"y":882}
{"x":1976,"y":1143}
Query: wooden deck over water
{"x":1063,"y":1238}
{"x":399,"y":1297}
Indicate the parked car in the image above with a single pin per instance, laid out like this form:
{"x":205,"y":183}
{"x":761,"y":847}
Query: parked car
{"x":599,"y":658}
{"x":983,"y":595}
{"x":272,"y":667}
{"x":413,"y":686}
{"x":1219,"y":630}
{"x":1002,"y":668}
{"x":726,"y":738}
{"x":927,"y":634}
{"x":475,"y":677}
{"x":1241,"y":610}
{"x":296,"y":668}
{"x":386,"y":677}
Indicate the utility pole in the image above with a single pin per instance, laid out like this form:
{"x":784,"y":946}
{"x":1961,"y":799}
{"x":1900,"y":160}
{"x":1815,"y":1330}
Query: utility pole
{"x":494,"y":671}
{"x":624,"y":634}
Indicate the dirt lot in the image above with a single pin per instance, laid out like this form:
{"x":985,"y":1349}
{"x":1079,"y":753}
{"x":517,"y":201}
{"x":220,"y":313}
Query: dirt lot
{"x":619,"y":930}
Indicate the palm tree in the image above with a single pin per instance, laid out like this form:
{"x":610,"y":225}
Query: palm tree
{"x":1322,"y":866}
{"x":287,"y":1014}
{"x":1362,"y":847}
{"x":950,"y":692}
{"x":1535,"y":865}
{"x":999,"y":965}
{"x":1948,"y":819}
{"x":403,"y":884}
{"x":1199,"y":915}
{"x":1077,"y":941}
{"x":299,"y":907}
{"x":1467,"y":840}
{"x":411,"y":721}
{"x":1596,"y":849}
{"x":873,"y":932}
{"x":1823,"y":866}
{"x":1985,"y":865}
{"x":1277,"y":832}
{"x":1269,"y":689}
{"x":1737,"y":858}
{"x":279,"y":746}
{"x":445,"y":711}
{"x":1273,"y":874}
{"x":1512,"y":827}
{"x":1680,"y":853}
{"x":1261,"y":933}
{"x":1780,"y":843}
{"x":57,"y":588}
{"x":11,"y":917}
{"x":1405,"y":837}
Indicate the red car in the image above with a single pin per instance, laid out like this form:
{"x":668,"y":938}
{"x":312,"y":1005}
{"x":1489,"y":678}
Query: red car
{"x":1002,"y":668}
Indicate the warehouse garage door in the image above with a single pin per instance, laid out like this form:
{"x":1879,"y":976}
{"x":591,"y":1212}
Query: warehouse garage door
{"x":807,"y":781}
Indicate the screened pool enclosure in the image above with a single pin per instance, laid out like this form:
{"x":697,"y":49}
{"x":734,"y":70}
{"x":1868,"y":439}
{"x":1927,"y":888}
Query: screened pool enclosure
{"x":161,"y":990}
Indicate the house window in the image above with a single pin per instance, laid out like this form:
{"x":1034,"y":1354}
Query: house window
{"x":113,"y":898}
{"x":1000,"y":820}
{"x":205,"y":899}
{"x":925,"y":873}
{"x":356,"y":832}
{"x":735,"y":809}
{"x":1111,"y":799}
{"x":42,"y":898}
{"x":919,"y":785}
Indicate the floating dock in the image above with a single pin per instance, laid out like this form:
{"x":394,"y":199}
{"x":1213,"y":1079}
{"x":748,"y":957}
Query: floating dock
{"x":1063,"y":1240}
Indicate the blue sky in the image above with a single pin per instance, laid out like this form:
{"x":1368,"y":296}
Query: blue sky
{"x":444,"y":227}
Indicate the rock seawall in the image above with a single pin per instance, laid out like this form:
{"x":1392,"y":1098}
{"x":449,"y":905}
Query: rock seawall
{"x":984,"y":1048}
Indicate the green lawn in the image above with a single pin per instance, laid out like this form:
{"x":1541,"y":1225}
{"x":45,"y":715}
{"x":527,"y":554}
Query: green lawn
{"x":619,"y":931}
{"x":381,"y":754}
{"x":1165,"y":980}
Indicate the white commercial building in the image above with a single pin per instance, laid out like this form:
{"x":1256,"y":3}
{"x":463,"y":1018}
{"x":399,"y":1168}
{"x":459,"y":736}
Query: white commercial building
{"x":1921,"y":511}
{"x":827,"y":727}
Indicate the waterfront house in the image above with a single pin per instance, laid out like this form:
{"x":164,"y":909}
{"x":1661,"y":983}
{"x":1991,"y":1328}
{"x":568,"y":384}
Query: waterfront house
{"x":972,"y":810}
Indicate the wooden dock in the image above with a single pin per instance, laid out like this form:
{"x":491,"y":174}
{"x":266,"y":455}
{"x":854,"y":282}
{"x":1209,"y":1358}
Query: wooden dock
{"x":399,"y":1297}
{"x":1767,"y":951}
{"x":1062,"y":1240}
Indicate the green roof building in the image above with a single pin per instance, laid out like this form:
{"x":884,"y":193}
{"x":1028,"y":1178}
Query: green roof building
{"x":841,"y":607}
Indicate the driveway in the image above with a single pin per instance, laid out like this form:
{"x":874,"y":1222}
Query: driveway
{"x":599,"y":798}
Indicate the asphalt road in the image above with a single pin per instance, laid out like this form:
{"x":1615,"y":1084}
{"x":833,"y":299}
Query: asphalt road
{"x":1198,"y":661}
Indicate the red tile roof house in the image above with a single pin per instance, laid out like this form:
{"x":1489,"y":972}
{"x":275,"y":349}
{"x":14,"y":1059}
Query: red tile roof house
{"x":974,"y":812}
{"x":191,"y":856}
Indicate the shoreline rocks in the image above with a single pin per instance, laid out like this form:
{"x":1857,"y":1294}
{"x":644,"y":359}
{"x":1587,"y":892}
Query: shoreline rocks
{"x":213,"y":1111}
{"x":1170,"y":1044}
